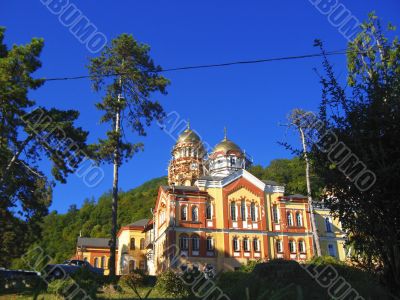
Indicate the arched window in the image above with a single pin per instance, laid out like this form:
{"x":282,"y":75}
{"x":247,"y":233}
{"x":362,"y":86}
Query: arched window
{"x":184,"y":242}
{"x":96,"y":262}
{"x":292,"y":246}
{"x":184,"y":212}
{"x":210,"y":243}
{"x":142,"y":244}
{"x":289,"y":218}
{"x":233,"y":211}
{"x":302,"y":246}
{"x":243,"y":210}
{"x":299,"y":219}
{"x":102,"y":262}
{"x":209,"y":211}
{"x":328,"y":225}
{"x":253,"y":212}
{"x":236,"y":246}
{"x":195,"y":243}
{"x":246,"y":245}
{"x":256,"y":245}
{"x":132,"y":244}
{"x":195,"y":213}
{"x":279,"y":246}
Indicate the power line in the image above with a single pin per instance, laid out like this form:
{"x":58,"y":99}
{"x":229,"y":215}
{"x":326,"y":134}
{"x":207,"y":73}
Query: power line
{"x":219,"y":65}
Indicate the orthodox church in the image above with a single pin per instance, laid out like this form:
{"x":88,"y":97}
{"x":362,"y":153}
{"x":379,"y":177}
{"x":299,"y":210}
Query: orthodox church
{"x":218,"y":215}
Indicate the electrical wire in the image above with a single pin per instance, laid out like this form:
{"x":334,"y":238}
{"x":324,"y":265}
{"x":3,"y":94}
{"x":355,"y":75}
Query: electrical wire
{"x":206,"y":66}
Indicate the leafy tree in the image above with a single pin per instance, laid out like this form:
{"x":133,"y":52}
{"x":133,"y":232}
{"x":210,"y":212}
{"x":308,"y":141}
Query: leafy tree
{"x":126,"y":103}
{"x":27,"y":134}
{"x":362,"y":144}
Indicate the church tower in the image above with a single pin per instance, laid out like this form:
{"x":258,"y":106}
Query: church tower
{"x":186,"y":165}
{"x":226,"y":158}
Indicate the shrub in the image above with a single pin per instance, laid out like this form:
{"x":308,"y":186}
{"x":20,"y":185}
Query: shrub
{"x":249,"y":267}
{"x":169,"y":284}
{"x":61,"y":287}
{"x":133,"y":281}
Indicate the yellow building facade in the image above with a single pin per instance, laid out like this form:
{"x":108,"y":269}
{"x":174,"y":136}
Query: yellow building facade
{"x":221,"y":216}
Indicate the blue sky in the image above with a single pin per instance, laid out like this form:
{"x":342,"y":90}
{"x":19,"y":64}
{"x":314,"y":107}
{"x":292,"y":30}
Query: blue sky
{"x":250,"y":100}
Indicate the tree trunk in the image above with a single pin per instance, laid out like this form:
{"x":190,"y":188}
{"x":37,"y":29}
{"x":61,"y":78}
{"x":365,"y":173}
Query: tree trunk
{"x":115,"y":198}
{"x":15,"y":157}
{"x":317,"y":246}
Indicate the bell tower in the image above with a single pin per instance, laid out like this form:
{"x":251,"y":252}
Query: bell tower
{"x":186,"y":165}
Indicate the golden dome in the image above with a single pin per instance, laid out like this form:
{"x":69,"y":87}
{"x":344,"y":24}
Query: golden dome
{"x":188,"y":136}
{"x":226,"y":145}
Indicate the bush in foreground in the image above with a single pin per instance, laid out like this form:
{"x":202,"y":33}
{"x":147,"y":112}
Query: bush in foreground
{"x":169,"y":284}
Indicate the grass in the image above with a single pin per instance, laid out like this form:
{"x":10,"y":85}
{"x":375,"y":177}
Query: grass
{"x":125,"y":295}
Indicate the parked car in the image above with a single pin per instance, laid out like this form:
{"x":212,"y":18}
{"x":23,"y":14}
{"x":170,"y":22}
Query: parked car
{"x":69,"y":267}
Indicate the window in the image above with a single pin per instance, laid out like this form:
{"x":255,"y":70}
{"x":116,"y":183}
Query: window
{"x":253,"y":212}
{"x":184,"y":242}
{"x":275,"y":213}
{"x":132,"y":245}
{"x":302,"y":246}
{"x":132,"y":265}
{"x":210,"y":243}
{"x":289,"y":219}
{"x":328,"y":225}
{"x":279,"y":246}
{"x":195,"y":243}
{"x":243,"y":210}
{"x":236,"y":246}
{"x":184,"y":212}
{"x":256,"y":245}
{"x":195,"y":213}
{"x":246,"y":245}
{"x":209,"y":211}
{"x":299,"y":219}
{"x":141,"y":244}
{"x":292,"y":246}
{"x":96,"y":262}
{"x":162,"y":217}
{"x":233,"y":160}
{"x":233,"y":211}
{"x":142,"y":265}
{"x":331,"y":250}
{"x":102,"y":262}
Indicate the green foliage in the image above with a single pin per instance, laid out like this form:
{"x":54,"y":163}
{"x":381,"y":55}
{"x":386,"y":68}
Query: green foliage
{"x":365,"y":116}
{"x":291,"y":173}
{"x":249,"y":267}
{"x":60,"y":231}
{"x":282,"y":279}
{"x":169,"y":284}
{"x":28,"y":133}
{"x":134,"y":281}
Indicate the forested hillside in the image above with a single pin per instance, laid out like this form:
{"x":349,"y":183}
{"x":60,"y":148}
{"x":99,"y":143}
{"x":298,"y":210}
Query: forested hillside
{"x":93,"y":219}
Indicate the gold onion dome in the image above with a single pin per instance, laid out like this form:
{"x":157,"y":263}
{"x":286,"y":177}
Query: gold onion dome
{"x":227,"y":145}
{"x":188,"y":136}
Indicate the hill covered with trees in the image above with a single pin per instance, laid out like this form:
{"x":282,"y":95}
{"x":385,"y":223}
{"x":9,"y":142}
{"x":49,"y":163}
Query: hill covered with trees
{"x":93,"y":219}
